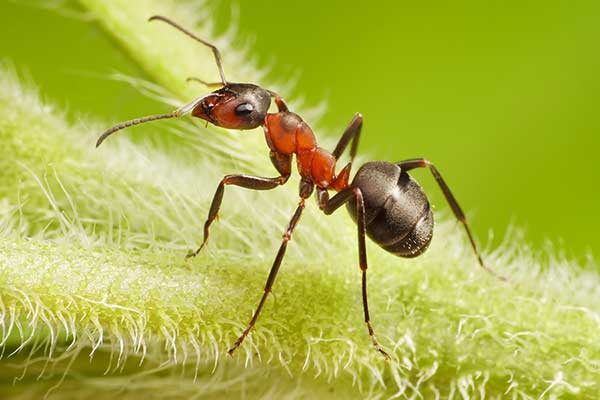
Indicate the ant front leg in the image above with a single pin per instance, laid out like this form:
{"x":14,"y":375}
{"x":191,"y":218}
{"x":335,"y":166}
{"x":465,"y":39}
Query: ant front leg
{"x":407,"y":165}
{"x":328,"y":206}
{"x":306,"y":188}
{"x":279,"y":102}
{"x":282,"y":163}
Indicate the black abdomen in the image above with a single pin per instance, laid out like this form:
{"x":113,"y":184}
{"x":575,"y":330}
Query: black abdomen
{"x":397,"y":212}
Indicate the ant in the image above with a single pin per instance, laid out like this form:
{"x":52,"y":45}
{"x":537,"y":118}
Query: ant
{"x":385,"y":202}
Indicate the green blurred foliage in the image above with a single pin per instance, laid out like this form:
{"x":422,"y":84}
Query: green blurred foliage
{"x":502,"y":96}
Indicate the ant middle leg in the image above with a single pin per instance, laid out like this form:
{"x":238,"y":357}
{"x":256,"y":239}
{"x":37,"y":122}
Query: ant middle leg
{"x":306,"y":188}
{"x":352,"y":133}
{"x":282,"y":163}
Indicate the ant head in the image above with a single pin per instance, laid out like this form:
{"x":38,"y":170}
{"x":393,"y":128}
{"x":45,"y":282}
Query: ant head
{"x":235,"y":106}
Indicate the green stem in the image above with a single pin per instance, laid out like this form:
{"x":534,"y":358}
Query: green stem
{"x":91,"y":262}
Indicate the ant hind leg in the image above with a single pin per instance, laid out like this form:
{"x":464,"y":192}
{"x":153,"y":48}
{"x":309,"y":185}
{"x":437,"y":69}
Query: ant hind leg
{"x":407,"y":165}
{"x":328,"y":206}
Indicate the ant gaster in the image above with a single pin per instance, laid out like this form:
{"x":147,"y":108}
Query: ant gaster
{"x":384,"y":201}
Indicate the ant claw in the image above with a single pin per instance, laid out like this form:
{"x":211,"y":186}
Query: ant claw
{"x":192,"y":253}
{"x":235,"y":346}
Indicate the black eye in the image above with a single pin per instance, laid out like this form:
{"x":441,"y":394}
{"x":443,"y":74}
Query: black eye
{"x":244,"y":109}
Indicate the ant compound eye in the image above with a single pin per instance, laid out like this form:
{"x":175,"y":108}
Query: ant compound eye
{"x":244,"y":109}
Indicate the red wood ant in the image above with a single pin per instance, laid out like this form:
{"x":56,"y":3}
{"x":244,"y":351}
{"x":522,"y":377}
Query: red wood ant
{"x":385,"y":202}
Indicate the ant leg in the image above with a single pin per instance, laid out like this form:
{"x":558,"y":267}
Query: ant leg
{"x":282,"y":163}
{"x":352,"y":132}
{"x":329,"y":206}
{"x":407,"y":165}
{"x":306,"y":188}
{"x":245,"y":181}
{"x":281,"y":104}
{"x":214,"y":48}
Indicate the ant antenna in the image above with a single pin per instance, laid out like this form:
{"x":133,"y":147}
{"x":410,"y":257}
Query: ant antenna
{"x":132,"y":122}
{"x":214,"y":48}
{"x":175,"y":114}
{"x":205,"y":83}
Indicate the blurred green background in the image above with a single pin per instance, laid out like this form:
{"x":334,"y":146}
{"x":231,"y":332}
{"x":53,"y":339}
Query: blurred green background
{"x":502,"y":96}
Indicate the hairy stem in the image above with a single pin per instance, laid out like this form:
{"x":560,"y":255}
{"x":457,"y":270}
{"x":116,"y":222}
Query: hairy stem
{"x":92,"y":246}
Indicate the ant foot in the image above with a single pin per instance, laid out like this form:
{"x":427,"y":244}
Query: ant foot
{"x":192,"y":254}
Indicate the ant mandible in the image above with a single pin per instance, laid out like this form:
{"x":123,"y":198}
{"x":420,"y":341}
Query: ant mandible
{"x":384,"y":201}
